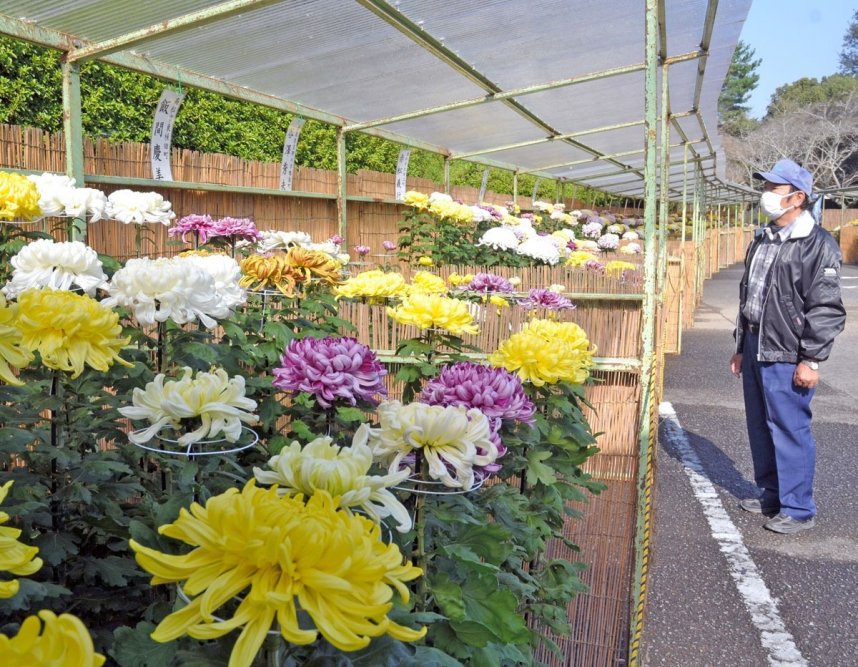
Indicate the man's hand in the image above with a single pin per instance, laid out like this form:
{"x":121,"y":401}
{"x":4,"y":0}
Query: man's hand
{"x":736,"y":364}
{"x":805,"y":377}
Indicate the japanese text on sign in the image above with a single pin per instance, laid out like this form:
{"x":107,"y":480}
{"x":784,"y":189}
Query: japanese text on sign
{"x":484,"y":185}
{"x":162,"y":134}
{"x":287,"y":164}
{"x":402,"y":173}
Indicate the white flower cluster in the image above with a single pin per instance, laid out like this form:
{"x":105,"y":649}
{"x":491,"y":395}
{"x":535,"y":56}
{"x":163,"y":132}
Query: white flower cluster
{"x":58,"y":196}
{"x":176,"y":288}
{"x":129,"y":206}
{"x":226,"y":273}
{"x":274,"y":240}
{"x":518,"y":235}
{"x":55,"y":265}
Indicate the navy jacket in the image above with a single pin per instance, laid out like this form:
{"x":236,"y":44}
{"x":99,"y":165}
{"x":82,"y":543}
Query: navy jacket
{"x":803,"y":310}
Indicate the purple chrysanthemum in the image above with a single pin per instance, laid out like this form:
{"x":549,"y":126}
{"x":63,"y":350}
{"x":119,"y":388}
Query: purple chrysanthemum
{"x":496,"y":392}
{"x":331,"y":368}
{"x":389,"y":245}
{"x":594,"y":265}
{"x":489,"y":282}
{"x":362,"y":250}
{"x":541,"y":297}
{"x":592,"y":229}
{"x":571,"y":245}
{"x":236,"y":228}
{"x":336,"y":239}
{"x":201,"y":225}
{"x":497,"y":215}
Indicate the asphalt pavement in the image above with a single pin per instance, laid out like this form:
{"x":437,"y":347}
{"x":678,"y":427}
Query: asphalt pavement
{"x":722,"y":590}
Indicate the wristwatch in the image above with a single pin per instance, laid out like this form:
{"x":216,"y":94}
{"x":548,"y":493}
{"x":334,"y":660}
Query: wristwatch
{"x":812,"y":365}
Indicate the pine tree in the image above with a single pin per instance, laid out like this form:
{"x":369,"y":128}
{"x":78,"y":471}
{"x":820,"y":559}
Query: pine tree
{"x":849,"y":54}
{"x":741,"y":80}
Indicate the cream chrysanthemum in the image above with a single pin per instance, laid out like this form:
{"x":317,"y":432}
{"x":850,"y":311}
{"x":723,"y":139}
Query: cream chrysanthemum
{"x":341,"y":471}
{"x":213,"y":402}
{"x":139,"y":208}
{"x":452,"y":440}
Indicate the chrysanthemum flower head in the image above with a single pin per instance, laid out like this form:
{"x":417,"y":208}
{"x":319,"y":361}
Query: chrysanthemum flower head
{"x":19,"y":198}
{"x":314,"y":264}
{"x":193,"y":225}
{"x":270,"y":272}
{"x":432,"y":311}
{"x":341,"y":471}
{"x":57,"y":265}
{"x":12,"y":352}
{"x":63,"y":641}
{"x":489,"y":282}
{"x":374,"y":284}
{"x":453,"y":440}
{"x":280,"y":552}
{"x":139,"y":208}
{"x":210,"y":403}
{"x":546,"y":352}
{"x":15,"y":557}
{"x":617,"y":268}
{"x":418,"y":200}
{"x":332,"y":369}
{"x":424,"y":282}
{"x":70,"y":330}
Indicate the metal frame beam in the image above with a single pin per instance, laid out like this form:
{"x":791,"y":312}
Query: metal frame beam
{"x":168,"y":27}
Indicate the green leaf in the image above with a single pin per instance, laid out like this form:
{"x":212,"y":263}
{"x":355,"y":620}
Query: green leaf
{"x":427,"y":656}
{"x":448,"y":597}
{"x":537,"y":471}
{"x":32,"y":592}
{"x":491,"y":614}
{"x":350,"y":415}
{"x":135,"y":648}
{"x":54,"y":548}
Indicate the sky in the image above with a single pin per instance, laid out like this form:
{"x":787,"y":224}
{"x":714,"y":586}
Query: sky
{"x":794,"y":39}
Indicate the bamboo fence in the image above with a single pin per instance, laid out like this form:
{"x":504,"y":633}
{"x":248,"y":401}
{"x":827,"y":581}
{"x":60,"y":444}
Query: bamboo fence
{"x":613,"y":320}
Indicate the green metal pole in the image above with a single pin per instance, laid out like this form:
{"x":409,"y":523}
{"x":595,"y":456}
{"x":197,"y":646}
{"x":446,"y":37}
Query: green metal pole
{"x":664,"y":186}
{"x":682,"y":264}
{"x":73,"y":129}
{"x":447,"y":174}
{"x":342,"y":182}
{"x":648,"y":332}
{"x":515,"y":188}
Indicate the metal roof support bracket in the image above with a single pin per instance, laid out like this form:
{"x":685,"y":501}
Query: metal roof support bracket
{"x":73,"y":130}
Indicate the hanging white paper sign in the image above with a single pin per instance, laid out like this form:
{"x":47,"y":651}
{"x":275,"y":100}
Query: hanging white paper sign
{"x":535,"y":189}
{"x":484,"y":185}
{"x":402,"y":173}
{"x":287,"y":164}
{"x":162,"y":134}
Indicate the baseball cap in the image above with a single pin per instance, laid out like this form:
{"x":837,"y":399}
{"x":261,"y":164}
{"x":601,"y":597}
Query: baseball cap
{"x":787,"y":172}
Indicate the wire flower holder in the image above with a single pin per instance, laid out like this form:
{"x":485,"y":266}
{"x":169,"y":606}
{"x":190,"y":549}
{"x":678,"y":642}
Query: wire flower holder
{"x":214,"y":447}
{"x":431,"y":487}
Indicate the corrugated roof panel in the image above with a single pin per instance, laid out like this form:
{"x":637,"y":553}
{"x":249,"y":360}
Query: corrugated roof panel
{"x":541,"y":155}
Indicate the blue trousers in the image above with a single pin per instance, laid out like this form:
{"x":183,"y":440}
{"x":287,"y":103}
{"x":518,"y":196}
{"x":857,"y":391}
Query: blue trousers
{"x":782,"y":444}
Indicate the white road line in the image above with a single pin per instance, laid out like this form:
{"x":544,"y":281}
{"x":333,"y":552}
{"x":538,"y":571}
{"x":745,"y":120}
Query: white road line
{"x":776,"y":640}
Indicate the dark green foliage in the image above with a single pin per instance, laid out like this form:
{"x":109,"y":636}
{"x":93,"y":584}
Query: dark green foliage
{"x":808,"y":91}
{"x":849,"y":54}
{"x":740,"y":82}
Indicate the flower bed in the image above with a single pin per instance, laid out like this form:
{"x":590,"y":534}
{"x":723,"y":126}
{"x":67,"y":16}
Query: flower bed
{"x":402,"y":515}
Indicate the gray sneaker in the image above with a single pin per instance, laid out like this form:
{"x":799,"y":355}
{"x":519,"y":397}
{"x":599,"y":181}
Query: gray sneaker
{"x":787,"y":525}
{"x":755,"y":506}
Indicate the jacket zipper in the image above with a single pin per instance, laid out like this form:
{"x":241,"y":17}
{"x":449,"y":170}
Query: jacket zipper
{"x":766,"y":300}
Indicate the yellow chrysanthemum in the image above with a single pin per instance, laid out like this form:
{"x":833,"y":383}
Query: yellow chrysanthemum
{"x":19,"y":197}
{"x":546,"y":352}
{"x":279,"y":551}
{"x":416,"y":199}
{"x":374,"y":284}
{"x":63,"y":641}
{"x":424,"y":282}
{"x":578,"y":258}
{"x":314,"y":264}
{"x":274,"y":272}
{"x":425,"y":261}
{"x":456,"y":279}
{"x":11,"y":352}
{"x":616,"y":268}
{"x":498,"y":301}
{"x":70,"y":330}
{"x":432,"y":311}
{"x":15,"y":557}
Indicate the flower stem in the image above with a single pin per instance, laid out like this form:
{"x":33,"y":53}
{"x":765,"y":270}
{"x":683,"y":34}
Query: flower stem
{"x":421,"y":602}
{"x":272,"y":651}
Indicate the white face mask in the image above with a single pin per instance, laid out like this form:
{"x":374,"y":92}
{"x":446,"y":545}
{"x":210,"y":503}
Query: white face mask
{"x":770,"y":203}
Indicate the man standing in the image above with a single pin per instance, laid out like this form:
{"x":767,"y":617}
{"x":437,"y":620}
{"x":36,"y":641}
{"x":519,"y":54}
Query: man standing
{"x":790,"y":311}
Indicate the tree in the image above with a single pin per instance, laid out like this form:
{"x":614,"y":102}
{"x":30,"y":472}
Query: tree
{"x":809,"y":92}
{"x":738,"y":85}
{"x":849,"y":54}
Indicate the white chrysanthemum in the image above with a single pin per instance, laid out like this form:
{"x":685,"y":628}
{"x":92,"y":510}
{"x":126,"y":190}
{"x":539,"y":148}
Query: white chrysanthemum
{"x":481,"y":214}
{"x":341,"y":471}
{"x":542,"y":248}
{"x":343,"y":258}
{"x":608,"y":241}
{"x":543,"y":207}
{"x":57,"y":266}
{"x":51,"y":187}
{"x":167,"y":288}
{"x":213,"y":399}
{"x":616,"y":228}
{"x":631,"y":249}
{"x":274,"y":239}
{"x":86,"y":203}
{"x":226,"y":273}
{"x":129,"y":206}
{"x":557,"y":288}
{"x":452,"y":440}
{"x":439,"y":196}
{"x":499,"y":238}
{"x":630,"y":236}
{"x":330,"y":248}
{"x":587,"y":244}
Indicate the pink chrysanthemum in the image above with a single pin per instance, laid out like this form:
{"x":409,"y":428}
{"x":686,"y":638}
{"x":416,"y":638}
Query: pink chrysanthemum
{"x":236,"y":228}
{"x":489,"y":282}
{"x":201,"y":225}
{"x":541,"y":297}
{"x":331,"y":369}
